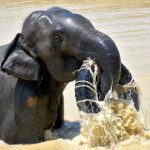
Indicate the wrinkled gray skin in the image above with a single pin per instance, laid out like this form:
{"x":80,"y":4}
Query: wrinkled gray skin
{"x":22,"y":121}
{"x":43,"y":58}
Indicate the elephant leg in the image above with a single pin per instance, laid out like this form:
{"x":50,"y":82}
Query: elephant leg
{"x":105,"y":86}
{"x":60,"y":114}
{"x":127,"y":88}
{"x":31,"y":111}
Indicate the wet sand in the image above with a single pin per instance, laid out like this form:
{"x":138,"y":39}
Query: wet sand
{"x":127,"y":22}
{"x":68,"y":145}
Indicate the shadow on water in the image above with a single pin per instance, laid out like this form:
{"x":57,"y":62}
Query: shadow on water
{"x":69,"y":130}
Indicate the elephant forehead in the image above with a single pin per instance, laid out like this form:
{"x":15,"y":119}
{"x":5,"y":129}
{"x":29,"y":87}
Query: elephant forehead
{"x":36,"y":14}
{"x":36,"y":28}
{"x":31,"y":101}
{"x":46,"y":18}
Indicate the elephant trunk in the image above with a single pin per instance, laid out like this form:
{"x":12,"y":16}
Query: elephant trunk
{"x":101,"y":48}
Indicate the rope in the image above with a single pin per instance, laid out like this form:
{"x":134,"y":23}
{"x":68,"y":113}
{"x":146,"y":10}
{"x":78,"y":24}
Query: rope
{"x":87,"y":100}
{"x":87,"y":87}
{"x":127,"y":87}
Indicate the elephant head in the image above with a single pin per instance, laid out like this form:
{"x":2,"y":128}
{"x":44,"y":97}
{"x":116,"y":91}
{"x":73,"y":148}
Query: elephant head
{"x":61,"y":40}
{"x":44,"y":39}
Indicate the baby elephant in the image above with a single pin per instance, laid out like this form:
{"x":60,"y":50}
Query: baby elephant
{"x":44,"y":58}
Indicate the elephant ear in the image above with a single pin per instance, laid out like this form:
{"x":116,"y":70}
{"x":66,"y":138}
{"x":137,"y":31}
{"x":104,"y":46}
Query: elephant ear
{"x":18,"y":63}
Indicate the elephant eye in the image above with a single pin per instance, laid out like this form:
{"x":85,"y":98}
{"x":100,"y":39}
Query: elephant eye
{"x":58,"y":39}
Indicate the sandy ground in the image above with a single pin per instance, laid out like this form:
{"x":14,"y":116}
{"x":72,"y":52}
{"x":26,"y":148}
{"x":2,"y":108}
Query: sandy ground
{"x":62,"y":144}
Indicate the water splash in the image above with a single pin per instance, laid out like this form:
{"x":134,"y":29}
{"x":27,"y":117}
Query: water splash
{"x":108,"y":122}
{"x":117,"y":122}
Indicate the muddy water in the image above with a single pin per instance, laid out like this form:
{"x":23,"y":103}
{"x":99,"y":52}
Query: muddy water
{"x":127,"y":22}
